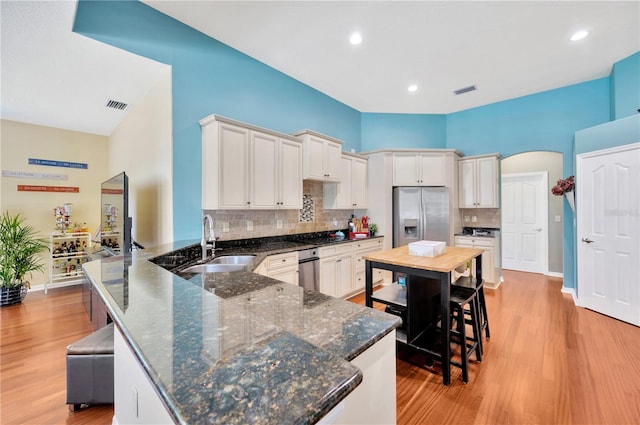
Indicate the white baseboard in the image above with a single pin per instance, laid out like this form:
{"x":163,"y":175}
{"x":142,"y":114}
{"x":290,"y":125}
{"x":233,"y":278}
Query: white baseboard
{"x":55,"y":285}
{"x":572,"y":292}
{"x":554,"y":274}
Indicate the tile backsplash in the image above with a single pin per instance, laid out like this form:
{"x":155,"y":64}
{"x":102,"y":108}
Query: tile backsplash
{"x":485,"y":217}
{"x":312,"y":218}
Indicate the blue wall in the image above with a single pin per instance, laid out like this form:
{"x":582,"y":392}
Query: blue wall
{"x":615,"y":133}
{"x":625,"y":87}
{"x":381,"y":131}
{"x":210,"y":77}
{"x":544,"y":121}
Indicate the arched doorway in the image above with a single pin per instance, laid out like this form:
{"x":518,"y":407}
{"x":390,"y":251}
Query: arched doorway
{"x":532,"y":163}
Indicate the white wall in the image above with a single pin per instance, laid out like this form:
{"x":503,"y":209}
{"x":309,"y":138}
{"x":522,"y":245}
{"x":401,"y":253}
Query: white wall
{"x":141,"y":146}
{"x":18,"y":143}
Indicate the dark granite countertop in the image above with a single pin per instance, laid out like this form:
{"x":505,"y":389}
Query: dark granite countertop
{"x":236,"y":347}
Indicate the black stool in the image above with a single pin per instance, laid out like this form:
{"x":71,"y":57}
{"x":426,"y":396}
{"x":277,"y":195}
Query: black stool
{"x":472,"y":282}
{"x":461,"y":297}
{"x":90,"y":369}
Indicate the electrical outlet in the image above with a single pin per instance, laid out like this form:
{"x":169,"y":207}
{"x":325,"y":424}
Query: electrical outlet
{"x":474,"y":219}
{"x":466,"y":218}
{"x":558,"y":218}
{"x":279,"y":223}
{"x":249,"y":225}
{"x":225,"y":226}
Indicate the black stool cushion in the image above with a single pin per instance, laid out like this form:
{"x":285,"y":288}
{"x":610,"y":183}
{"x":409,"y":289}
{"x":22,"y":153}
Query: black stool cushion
{"x":99,"y":342}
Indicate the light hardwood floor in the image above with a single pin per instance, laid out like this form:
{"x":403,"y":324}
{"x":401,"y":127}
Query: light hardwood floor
{"x":548,"y":362}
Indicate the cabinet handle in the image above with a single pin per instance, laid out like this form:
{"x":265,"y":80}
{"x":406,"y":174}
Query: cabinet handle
{"x":248,"y":202}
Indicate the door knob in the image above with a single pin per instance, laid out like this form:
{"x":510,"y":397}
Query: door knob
{"x":587,"y":240}
{"x":537,"y":229}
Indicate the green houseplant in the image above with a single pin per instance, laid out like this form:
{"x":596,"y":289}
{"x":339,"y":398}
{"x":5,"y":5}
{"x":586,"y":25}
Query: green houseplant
{"x":373,"y":228}
{"x":19,"y":255}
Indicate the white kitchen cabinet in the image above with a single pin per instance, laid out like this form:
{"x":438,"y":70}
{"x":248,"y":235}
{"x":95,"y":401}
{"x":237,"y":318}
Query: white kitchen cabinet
{"x":419,"y":169}
{"x":321,"y":156}
{"x":276,"y":172}
{"x":360,"y":249}
{"x":478,"y":179}
{"x":352,"y":190}
{"x":282,"y":267}
{"x":244,"y":167}
{"x":342,"y":267}
{"x":336,"y":269}
{"x":136,"y":400}
{"x":490,"y":262}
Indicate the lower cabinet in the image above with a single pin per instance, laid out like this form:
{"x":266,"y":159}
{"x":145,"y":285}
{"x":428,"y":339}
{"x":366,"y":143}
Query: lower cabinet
{"x":342,"y":267}
{"x":490,"y":257}
{"x":336,"y":269}
{"x":135,"y":398}
{"x":283,"y":267}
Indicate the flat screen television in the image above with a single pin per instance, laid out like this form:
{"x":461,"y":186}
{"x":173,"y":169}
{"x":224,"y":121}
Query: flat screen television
{"x":115,"y":234}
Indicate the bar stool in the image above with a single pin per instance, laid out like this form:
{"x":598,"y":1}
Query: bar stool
{"x":472,"y":282}
{"x":460,"y":298}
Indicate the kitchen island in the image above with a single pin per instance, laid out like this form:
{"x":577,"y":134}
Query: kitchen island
{"x":427,"y":279}
{"x":240,"y":347}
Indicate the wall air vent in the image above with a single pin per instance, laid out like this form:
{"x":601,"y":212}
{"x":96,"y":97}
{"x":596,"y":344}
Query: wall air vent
{"x":116,"y":105}
{"x":464,"y":90}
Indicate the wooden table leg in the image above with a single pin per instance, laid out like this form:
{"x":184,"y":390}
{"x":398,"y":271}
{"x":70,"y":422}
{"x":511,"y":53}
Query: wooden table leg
{"x":445,"y":298}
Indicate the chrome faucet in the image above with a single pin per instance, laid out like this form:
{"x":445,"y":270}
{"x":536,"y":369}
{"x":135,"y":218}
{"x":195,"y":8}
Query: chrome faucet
{"x":208,"y":238}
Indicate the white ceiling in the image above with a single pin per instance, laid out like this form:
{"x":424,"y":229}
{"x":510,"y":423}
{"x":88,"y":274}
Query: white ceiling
{"x":53,"y":77}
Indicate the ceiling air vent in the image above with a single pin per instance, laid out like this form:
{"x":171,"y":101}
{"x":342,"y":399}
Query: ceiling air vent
{"x":116,"y":105}
{"x":464,"y":90}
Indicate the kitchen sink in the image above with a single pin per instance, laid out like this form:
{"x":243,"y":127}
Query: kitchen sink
{"x":214,"y":268}
{"x":233,"y":259}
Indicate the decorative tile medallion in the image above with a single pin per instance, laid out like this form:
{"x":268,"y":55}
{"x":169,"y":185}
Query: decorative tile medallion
{"x":307,"y":211}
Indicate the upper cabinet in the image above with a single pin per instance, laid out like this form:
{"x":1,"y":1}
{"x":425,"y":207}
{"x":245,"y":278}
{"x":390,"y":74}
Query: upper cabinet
{"x":248,"y":167}
{"x":419,"y":169}
{"x":321,"y":156}
{"x":478,"y":179}
{"x":351,"y":192}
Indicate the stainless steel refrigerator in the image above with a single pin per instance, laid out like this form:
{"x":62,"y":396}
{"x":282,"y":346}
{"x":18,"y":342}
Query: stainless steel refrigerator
{"x":420,"y":213}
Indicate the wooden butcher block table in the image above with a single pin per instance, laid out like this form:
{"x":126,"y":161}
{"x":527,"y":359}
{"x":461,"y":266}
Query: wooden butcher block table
{"x":428,"y":280}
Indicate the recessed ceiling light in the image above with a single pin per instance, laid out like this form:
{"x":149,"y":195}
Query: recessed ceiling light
{"x":412,"y":88}
{"x":579,"y":35}
{"x":355,"y":38}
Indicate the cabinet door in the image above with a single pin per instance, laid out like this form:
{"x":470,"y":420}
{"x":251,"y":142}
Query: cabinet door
{"x":314,"y":158}
{"x":332,"y":165}
{"x":264,"y":179}
{"x":344,"y":274}
{"x":328,"y":273}
{"x":286,"y":275}
{"x":233,"y":179}
{"x":466,"y":170}
{"x":359,"y":187}
{"x":488,"y":272}
{"x":345,"y":195}
{"x":432,"y":169}
{"x":487,"y":184}
{"x":405,"y":171}
{"x":290,"y":168}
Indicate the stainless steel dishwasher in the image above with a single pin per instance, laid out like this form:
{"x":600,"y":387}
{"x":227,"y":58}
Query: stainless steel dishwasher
{"x":309,"y":269}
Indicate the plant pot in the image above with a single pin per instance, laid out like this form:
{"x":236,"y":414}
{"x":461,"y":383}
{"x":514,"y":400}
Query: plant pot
{"x":10,"y":296}
{"x":570,"y":200}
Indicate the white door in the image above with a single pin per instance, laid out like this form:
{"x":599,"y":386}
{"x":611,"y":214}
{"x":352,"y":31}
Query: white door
{"x":524,"y":229}
{"x":608,"y":239}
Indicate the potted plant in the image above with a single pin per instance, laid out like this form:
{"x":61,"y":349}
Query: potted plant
{"x":19,"y":255}
{"x":373,"y":228}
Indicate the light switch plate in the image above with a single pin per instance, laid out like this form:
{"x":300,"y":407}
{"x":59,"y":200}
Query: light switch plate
{"x":466,"y":218}
{"x":558,"y":218}
{"x":225,"y":226}
{"x":249,"y":225}
{"x":474,"y":219}
{"x":279,"y":223}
